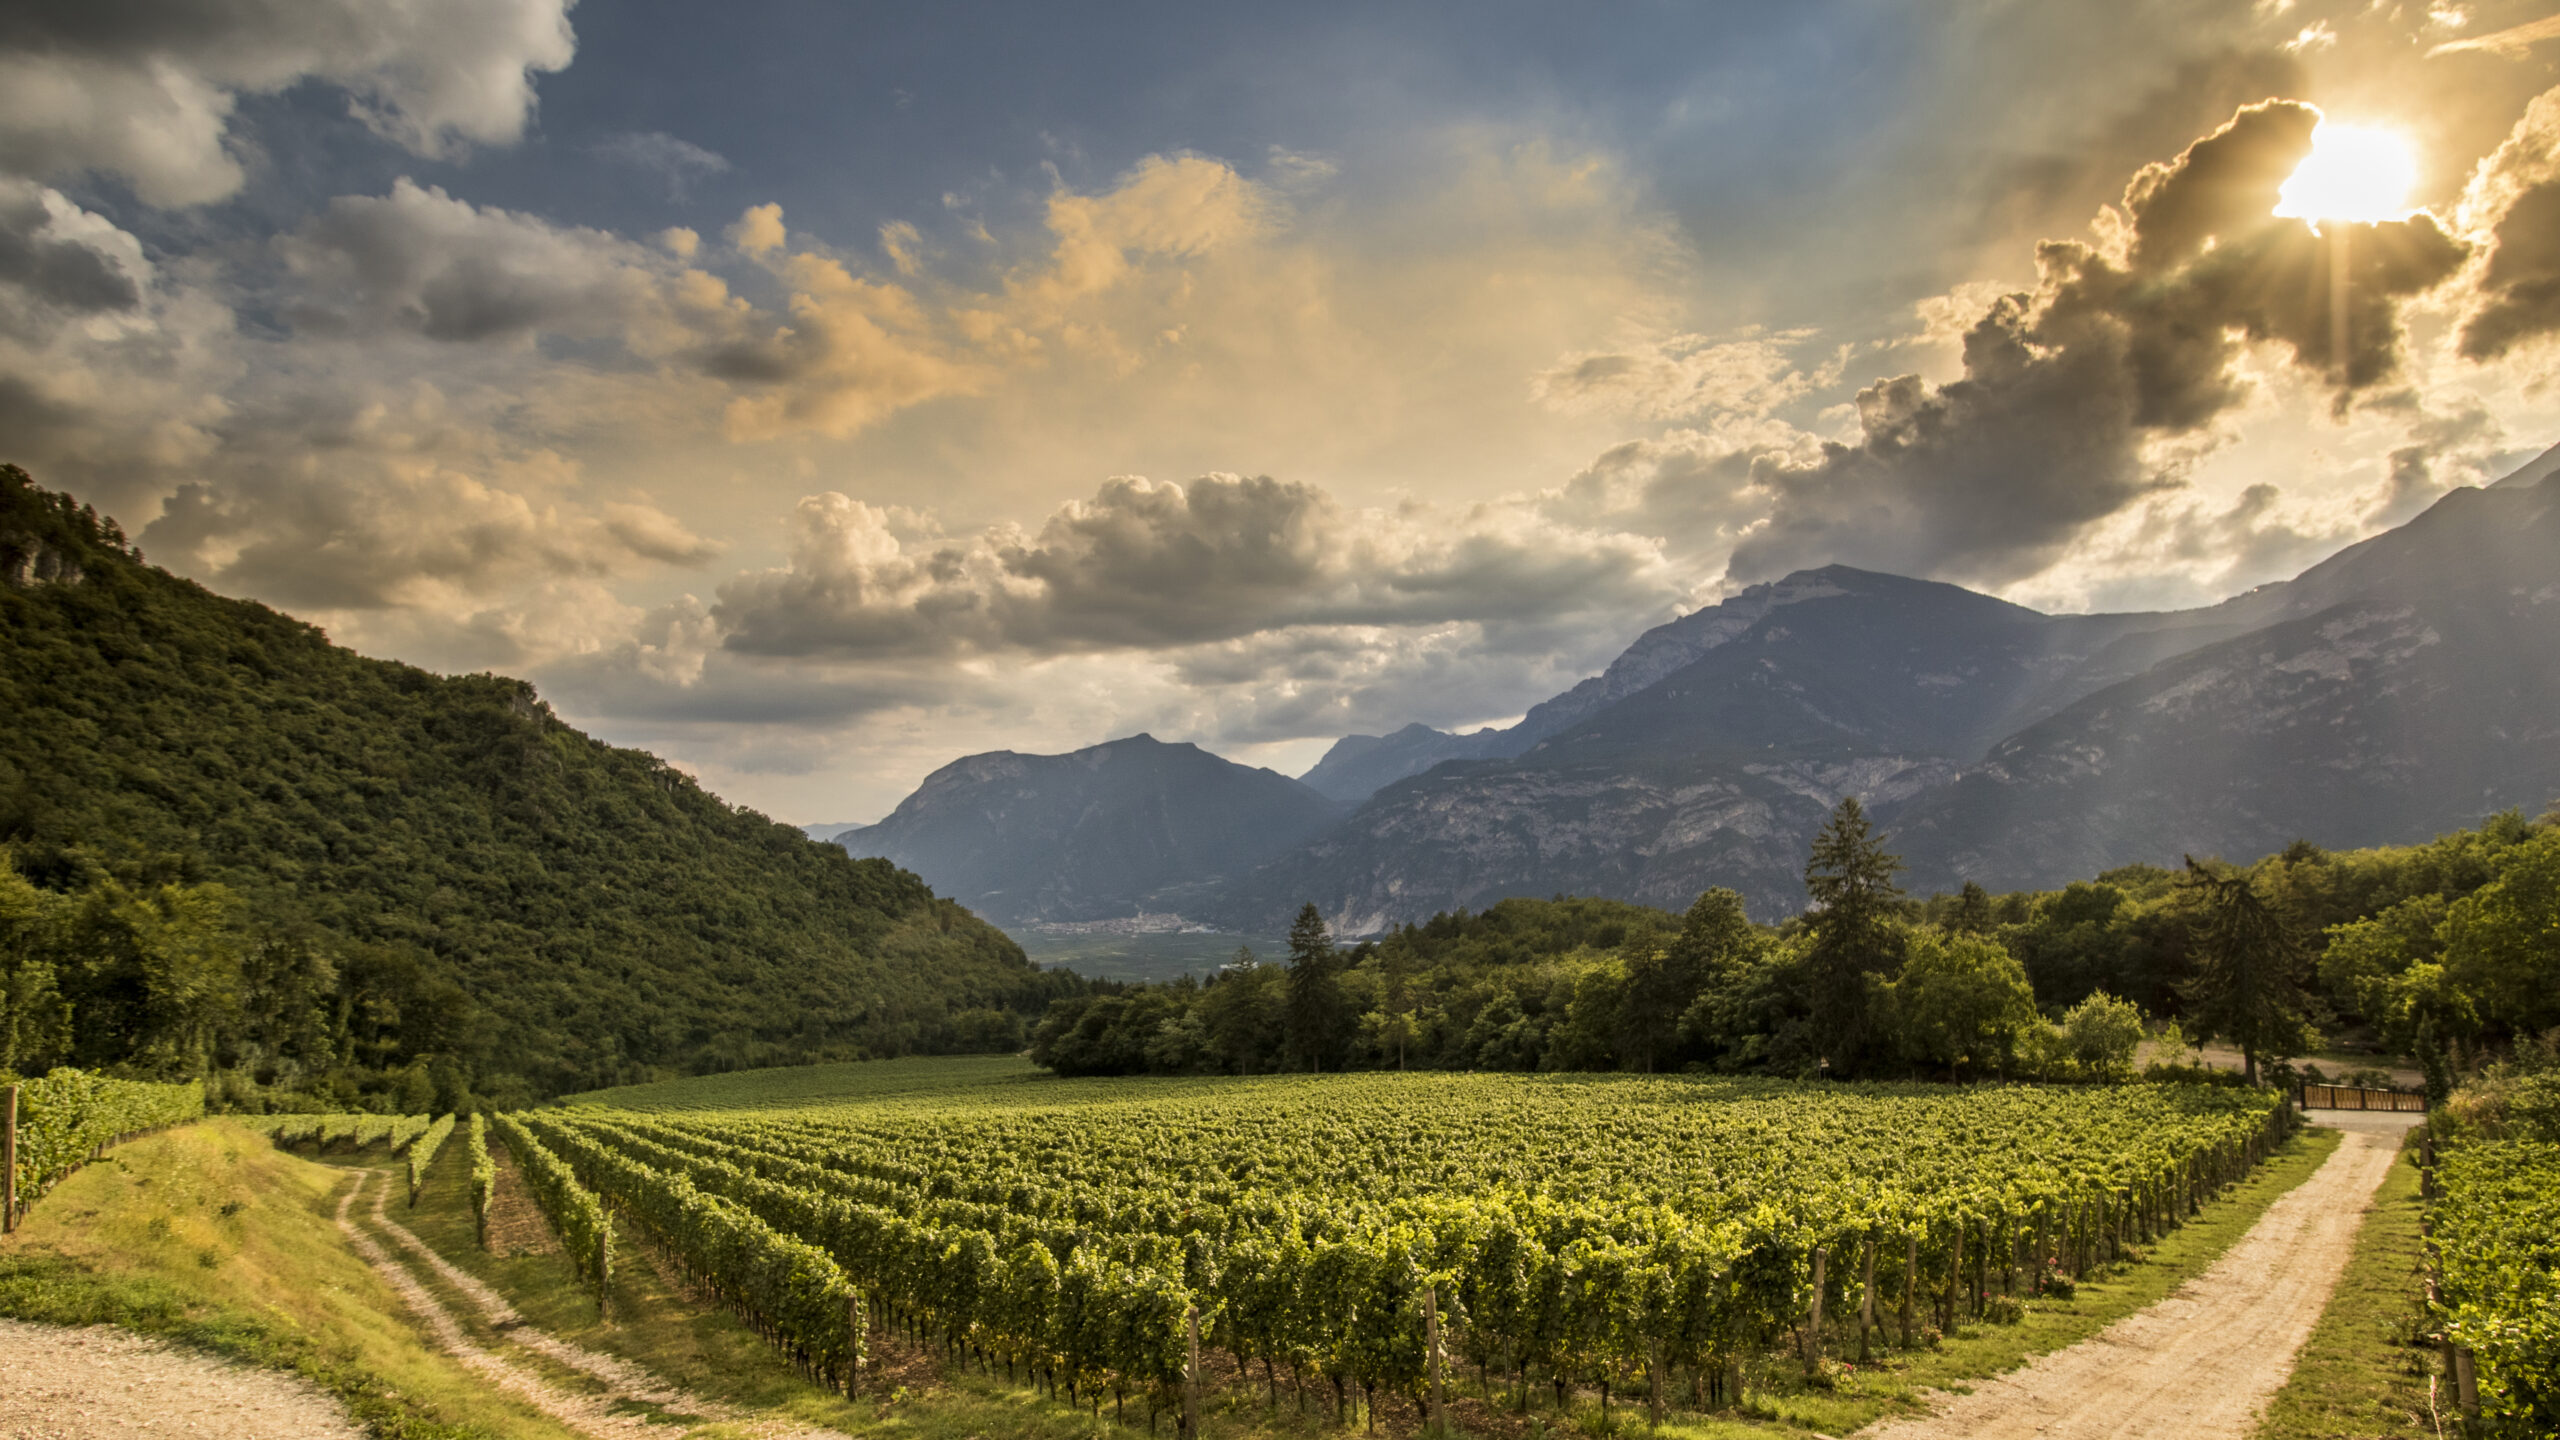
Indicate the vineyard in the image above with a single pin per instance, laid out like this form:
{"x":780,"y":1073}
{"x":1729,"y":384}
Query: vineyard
{"x":2497,"y":1239}
{"x":1357,"y":1237}
{"x":58,"y":1123}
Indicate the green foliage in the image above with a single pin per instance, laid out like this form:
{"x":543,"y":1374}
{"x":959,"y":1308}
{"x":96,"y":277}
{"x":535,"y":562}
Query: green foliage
{"x":1853,"y":931}
{"x":2497,"y":1241}
{"x":2101,"y":1035}
{"x":422,"y":1154}
{"x":1960,"y":1003}
{"x":68,"y":1115}
{"x":579,"y":1218}
{"x":484,"y":1175}
{"x":237,"y":849}
{"x":2251,"y":970}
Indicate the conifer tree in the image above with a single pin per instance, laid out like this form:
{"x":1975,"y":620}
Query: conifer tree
{"x":1850,"y":882}
{"x":1319,"y":1013}
{"x":2251,"y":970}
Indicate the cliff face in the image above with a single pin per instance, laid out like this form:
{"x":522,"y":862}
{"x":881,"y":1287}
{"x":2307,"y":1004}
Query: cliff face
{"x":2406,"y":686}
{"x":1107,"y":831}
{"x":2427,"y":697}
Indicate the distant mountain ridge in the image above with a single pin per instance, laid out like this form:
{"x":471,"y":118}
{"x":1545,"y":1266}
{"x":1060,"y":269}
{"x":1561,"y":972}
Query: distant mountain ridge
{"x":1103,"y":832}
{"x":2404,"y":686}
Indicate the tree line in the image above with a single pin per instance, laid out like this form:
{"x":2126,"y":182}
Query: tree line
{"x":2429,"y":951}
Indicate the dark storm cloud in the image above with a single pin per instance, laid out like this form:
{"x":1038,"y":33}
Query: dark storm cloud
{"x":418,"y":259}
{"x":54,"y":269}
{"x":2520,"y":285}
{"x":1988,"y":478}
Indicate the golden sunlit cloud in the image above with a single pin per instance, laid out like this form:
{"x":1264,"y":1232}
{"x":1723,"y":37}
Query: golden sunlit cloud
{"x":2356,"y":173}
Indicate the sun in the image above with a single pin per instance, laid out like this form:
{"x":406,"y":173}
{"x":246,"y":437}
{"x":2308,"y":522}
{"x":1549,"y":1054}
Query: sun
{"x":2356,"y":173}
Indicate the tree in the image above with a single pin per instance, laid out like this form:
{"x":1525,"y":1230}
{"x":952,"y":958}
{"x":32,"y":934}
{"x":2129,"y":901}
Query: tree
{"x":1664,"y":982}
{"x":1972,"y":914}
{"x":1246,"y":1011}
{"x":1959,"y":1001}
{"x":2101,"y":1035}
{"x":1850,"y":882}
{"x":2502,"y":941}
{"x":1319,"y":1020}
{"x":2249,"y":983}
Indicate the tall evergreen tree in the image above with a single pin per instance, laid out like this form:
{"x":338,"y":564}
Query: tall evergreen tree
{"x":2251,"y":971}
{"x":1850,"y":882}
{"x":1319,"y":1014}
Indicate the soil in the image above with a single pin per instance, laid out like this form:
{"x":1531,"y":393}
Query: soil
{"x":2201,"y":1364}
{"x":516,"y":1226}
{"x":101,"y":1383}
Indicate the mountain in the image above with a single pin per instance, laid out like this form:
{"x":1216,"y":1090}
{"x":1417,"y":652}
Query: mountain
{"x":2410,"y":686}
{"x":1131,"y":826}
{"x":1359,"y":766}
{"x":463,"y":881}
{"x":1711,"y":751}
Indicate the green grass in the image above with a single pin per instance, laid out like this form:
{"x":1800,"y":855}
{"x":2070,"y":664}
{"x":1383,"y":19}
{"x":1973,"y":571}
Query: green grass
{"x":2358,"y":1376}
{"x":798,"y":1086}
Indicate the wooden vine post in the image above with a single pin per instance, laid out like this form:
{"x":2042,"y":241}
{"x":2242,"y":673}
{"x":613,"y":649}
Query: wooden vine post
{"x":856,"y":1327}
{"x":604,"y":1268}
{"x":1813,"y":1347}
{"x":1437,"y":1420}
{"x":1866,"y":1299}
{"x":1910,"y":1283}
{"x":1191,"y":1374}
{"x":9,"y":1162}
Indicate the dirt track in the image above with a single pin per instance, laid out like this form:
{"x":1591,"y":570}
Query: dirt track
{"x":2200,"y":1364}
{"x":101,"y":1383}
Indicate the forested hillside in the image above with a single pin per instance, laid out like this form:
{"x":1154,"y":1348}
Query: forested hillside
{"x":228,"y":847}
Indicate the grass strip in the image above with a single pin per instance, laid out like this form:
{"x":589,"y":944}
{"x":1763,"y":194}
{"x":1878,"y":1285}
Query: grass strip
{"x":2361,"y":1375}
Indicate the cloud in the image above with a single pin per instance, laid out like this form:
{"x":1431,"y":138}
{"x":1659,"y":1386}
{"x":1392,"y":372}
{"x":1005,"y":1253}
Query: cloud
{"x":146,"y":90}
{"x":676,"y":163}
{"x":1685,"y":376}
{"x":759,"y":231}
{"x":2071,"y":393}
{"x":405,"y":532}
{"x":1146,"y":566}
{"x":420,"y":260}
{"x":59,"y":261}
{"x":2513,"y":204}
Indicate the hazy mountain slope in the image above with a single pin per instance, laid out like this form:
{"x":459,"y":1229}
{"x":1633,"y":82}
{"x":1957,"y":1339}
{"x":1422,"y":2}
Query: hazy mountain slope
{"x":1825,"y":683}
{"x":1836,"y":682}
{"x":1107,"y":831}
{"x":1359,"y":766}
{"x":523,"y":898}
{"x":2427,"y":698}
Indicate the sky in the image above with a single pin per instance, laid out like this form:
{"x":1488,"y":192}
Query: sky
{"x":812,"y":393}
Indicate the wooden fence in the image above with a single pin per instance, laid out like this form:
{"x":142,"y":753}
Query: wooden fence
{"x":2356,"y":1097}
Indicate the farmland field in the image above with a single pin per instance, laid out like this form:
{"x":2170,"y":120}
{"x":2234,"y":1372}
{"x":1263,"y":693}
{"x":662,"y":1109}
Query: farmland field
{"x":1646,"y":1235}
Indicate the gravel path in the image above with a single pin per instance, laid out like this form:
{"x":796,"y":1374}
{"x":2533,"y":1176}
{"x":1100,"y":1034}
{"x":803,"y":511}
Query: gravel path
{"x":101,"y":1383}
{"x":2200,"y":1364}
